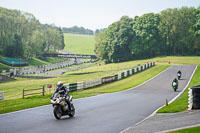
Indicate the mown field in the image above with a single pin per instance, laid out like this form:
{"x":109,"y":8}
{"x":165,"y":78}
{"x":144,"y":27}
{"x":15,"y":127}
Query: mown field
{"x":13,"y":90}
{"x":79,"y":44}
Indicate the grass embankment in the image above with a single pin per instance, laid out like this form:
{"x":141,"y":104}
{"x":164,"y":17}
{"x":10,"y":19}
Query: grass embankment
{"x":79,"y":44}
{"x":34,"y":62}
{"x":48,"y":60}
{"x":188,"y":130}
{"x":13,"y":89}
{"x":178,"y":60}
{"x":4,"y":67}
{"x":136,"y":79}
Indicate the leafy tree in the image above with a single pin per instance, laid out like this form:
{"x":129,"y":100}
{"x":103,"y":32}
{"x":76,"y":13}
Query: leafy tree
{"x":77,"y":30}
{"x":22,"y":35}
{"x":117,"y":40}
{"x":146,"y":42}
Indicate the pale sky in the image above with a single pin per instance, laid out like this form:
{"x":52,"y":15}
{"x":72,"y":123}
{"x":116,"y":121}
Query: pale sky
{"x":92,"y":14}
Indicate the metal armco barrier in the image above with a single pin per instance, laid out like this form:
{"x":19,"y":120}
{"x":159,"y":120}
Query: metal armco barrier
{"x":116,"y":77}
{"x":119,"y":76}
{"x":1,"y":95}
{"x":73,"y":87}
{"x":194,"y":98}
{"x":92,"y":83}
{"x":130,"y":71}
{"x":79,"y":85}
{"x":107,"y":79}
{"x":95,"y":82}
{"x":122,"y":75}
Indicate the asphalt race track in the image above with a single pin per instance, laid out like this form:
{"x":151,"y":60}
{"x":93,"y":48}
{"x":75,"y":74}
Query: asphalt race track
{"x":106,"y":113}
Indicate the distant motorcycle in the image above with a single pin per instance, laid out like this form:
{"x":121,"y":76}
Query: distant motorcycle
{"x":175,"y":85}
{"x":178,"y":76}
{"x":60,"y":105}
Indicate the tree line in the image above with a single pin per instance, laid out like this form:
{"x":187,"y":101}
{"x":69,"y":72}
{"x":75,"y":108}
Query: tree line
{"x":77,"y":30}
{"x":23,"y":36}
{"x":170,"y":32}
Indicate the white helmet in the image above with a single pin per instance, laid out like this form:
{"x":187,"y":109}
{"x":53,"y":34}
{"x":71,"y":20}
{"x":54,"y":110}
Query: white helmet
{"x":60,"y":84}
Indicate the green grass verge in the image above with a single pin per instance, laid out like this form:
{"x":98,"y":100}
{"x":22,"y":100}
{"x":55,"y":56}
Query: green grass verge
{"x":79,"y":44}
{"x":13,"y":89}
{"x":181,"y":103}
{"x":126,"y":83}
{"x":4,"y":67}
{"x":188,"y":130}
{"x":34,"y":101}
{"x":178,"y":60}
{"x":36,"y":62}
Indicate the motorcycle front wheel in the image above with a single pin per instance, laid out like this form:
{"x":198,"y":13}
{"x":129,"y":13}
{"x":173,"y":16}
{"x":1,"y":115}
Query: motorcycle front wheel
{"x":57,"y":113}
{"x":72,"y":111}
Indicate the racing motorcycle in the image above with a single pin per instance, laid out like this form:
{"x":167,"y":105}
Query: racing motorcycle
{"x":178,"y":76}
{"x":175,"y":85}
{"x":60,"y":106}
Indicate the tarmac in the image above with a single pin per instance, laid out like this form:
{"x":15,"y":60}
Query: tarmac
{"x":166,"y":122}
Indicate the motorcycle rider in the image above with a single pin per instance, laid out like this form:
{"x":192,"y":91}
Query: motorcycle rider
{"x":60,"y":86}
{"x":175,"y":80}
{"x":179,"y":72}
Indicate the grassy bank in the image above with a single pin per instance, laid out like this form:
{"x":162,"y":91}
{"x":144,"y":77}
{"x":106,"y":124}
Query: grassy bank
{"x":188,"y":130}
{"x":13,"y":89}
{"x":178,"y":60}
{"x":181,"y":103}
{"x":79,"y":44}
{"x":34,"y":101}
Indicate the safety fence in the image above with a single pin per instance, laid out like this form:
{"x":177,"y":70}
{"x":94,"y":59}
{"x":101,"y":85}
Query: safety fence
{"x":107,"y":79}
{"x":1,"y":95}
{"x":50,"y":88}
{"x":41,"y":69}
{"x":46,"y":89}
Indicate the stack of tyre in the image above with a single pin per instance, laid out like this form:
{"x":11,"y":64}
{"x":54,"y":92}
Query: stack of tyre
{"x":196,"y":97}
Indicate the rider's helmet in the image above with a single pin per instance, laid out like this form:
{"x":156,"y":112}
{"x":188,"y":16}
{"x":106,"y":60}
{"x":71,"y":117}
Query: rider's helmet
{"x":59,"y":84}
{"x":175,"y":79}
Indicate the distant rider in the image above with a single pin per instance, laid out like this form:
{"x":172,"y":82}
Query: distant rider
{"x":175,"y":80}
{"x":179,"y":72}
{"x":60,"y":86}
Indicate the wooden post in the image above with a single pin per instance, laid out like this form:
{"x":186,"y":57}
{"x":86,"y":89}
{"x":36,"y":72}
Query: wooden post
{"x":43,"y":91}
{"x":166,"y":102}
{"x":23,"y":94}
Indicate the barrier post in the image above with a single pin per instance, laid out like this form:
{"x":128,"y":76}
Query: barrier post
{"x":1,"y":96}
{"x":23,"y":94}
{"x":116,"y":77}
{"x":43,"y":91}
{"x":122,"y":75}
